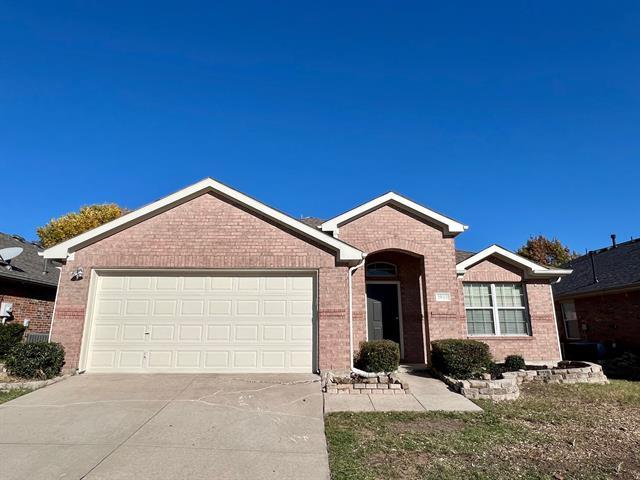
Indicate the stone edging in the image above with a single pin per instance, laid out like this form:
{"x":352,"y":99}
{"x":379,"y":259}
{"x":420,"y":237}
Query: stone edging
{"x":30,"y":384}
{"x":380,"y":385}
{"x":507,"y":388}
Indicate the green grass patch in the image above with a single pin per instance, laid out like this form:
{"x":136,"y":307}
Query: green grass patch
{"x":11,"y":394}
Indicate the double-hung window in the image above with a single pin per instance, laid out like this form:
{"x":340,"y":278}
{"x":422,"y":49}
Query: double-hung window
{"x":496,"y":309}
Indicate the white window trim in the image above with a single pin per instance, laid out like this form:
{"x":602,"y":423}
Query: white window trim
{"x":495,"y":312}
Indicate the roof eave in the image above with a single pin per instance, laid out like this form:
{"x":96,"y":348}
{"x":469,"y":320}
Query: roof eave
{"x":531,"y":269}
{"x":451,"y":227}
{"x":345,"y":252}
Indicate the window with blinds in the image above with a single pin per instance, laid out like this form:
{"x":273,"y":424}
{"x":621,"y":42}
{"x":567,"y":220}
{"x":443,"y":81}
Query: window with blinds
{"x":496,"y":309}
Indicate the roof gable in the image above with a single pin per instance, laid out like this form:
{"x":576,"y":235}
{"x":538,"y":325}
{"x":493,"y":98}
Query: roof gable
{"x":531,"y":269}
{"x":450,"y":226}
{"x":345,"y":252}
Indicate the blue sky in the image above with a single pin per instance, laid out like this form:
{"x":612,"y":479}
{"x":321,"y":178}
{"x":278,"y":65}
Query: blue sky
{"x":516,"y":118}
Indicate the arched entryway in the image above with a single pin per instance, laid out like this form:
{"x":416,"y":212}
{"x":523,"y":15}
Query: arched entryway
{"x":395,"y":301}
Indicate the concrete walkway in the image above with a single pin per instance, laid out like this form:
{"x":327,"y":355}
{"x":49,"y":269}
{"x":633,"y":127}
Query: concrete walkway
{"x":426,"y":394}
{"x":166,"y":427}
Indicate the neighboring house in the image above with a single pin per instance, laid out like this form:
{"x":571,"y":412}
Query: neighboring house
{"x":209,"y":279}
{"x":600,"y":300}
{"x":28,"y":284}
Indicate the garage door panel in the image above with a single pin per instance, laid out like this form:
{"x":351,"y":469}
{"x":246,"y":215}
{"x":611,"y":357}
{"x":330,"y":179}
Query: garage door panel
{"x":161,"y":359}
{"x":203,"y":323}
{"x":219,"y":333}
{"x":133,"y":332}
{"x":131,"y":359}
{"x":161,"y":333}
{"x":216,"y":360}
{"x":103,"y":359}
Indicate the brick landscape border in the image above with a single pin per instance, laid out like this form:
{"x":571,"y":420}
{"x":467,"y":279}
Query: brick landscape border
{"x":379,"y":385}
{"x":507,"y":388}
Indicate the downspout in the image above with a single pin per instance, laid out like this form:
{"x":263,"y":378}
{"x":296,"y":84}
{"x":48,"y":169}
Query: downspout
{"x":351,"y":270}
{"x":55,"y":302}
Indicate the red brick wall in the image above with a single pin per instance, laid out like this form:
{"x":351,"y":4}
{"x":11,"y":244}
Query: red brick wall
{"x":208,"y":232}
{"x":542,"y":345}
{"x":389,"y":228}
{"x":614,"y":317}
{"x":30,"y":301}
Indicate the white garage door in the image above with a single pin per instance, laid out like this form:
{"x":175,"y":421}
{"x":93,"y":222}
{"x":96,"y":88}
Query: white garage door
{"x":195,"y":323}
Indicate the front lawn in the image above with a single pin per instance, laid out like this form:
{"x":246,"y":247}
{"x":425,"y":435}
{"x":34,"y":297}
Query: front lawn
{"x":11,"y":394}
{"x":556,"y":432}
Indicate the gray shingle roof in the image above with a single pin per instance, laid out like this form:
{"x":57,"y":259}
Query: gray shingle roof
{"x":616,"y":267}
{"x":312,"y":221}
{"x":462,"y":255}
{"x":28,"y":266}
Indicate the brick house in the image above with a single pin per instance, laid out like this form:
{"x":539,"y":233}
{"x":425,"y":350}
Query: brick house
{"x":28,"y":284}
{"x":600,"y":301}
{"x":210,"y":279}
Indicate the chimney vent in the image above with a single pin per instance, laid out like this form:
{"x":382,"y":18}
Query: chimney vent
{"x":613,"y":240}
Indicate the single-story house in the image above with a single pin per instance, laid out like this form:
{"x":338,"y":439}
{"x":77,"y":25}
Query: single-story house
{"x":27,"y":284}
{"x":209,"y":279}
{"x":600,"y":301}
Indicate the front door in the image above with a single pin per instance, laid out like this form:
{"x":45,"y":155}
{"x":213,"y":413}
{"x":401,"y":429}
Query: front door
{"x":383,"y":313}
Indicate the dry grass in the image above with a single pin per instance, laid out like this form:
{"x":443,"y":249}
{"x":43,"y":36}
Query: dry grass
{"x":552,"y":432}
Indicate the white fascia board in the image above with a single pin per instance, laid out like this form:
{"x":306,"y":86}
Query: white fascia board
{"x":345,"y":251}
{"x":533,"y":269}
{"x":451,"y":226}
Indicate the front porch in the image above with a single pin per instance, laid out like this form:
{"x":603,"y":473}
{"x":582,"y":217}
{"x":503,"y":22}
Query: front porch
{"x":395,"y":307}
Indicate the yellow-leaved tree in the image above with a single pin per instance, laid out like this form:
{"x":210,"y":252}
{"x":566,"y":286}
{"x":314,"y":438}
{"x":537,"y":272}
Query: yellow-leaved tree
{"x":74,"y":223}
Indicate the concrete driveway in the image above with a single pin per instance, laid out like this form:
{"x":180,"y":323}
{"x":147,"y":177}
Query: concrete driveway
{"x":166,"y":427}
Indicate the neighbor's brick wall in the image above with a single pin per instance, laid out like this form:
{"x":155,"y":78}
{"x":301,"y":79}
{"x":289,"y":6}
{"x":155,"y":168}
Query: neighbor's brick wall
{"x":30,"y":301}
{"x":208,"y":232}
{"x":609,"y":318}
{"x":389,"y":228}
{"x":542,"y":345}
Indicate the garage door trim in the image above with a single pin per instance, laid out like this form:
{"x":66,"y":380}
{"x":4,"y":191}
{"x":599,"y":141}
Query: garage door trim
{"x":89,"y":320}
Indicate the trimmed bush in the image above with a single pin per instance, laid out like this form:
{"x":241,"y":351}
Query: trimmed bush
{"x":514,"y":362}
{"x":39,"y":361}
{"x":378,"y":356}
{"x":460,"y":359}
{"x":10,"y":335}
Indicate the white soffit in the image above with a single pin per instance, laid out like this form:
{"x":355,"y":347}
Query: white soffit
{"x":451,"y":227}
{"x":532,"y":269}
{"x":345,"y":251}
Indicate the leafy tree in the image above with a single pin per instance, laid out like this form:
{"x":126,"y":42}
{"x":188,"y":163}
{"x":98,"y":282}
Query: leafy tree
{"x":75,"y":223}
{"x":547,"y":252}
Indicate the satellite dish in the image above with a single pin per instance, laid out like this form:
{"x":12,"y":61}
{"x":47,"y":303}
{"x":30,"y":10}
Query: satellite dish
{"x":6,"y":254}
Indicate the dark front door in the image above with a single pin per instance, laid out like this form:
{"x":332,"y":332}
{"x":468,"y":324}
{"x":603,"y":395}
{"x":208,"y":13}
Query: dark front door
{"x":383,"y":316}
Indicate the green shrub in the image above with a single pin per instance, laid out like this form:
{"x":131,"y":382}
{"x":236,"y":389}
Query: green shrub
{"x":378,"y":356}
{"x":35,"y":360}
{"x":497,"y":369}
{"x":10,"y":335}
{"x":514,"y":362}
{"x":460,"y":358}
